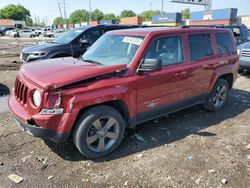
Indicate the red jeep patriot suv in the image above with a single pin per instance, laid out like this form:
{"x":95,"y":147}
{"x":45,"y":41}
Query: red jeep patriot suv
{"x":127,"y":77}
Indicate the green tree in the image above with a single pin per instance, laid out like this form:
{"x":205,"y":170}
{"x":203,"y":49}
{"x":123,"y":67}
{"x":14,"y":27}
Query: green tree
{"x":149,"y":14}
{"x":110,"y":16}
{"x":78,"y":16}
{"x":28,"y":21}
{"x":59,"y":21}
{"x":15,"y":12}
{"x":127,"y":13}
{"x":186,"y":13}
{"x":97,"y":15}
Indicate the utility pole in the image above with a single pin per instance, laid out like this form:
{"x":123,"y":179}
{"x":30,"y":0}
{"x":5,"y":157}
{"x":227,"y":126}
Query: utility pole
{"x":60,"y":10}
{"x":162,"y":6}
{"x":89,"y":15}
{"x":150,"y":5}
{"x":64,"y":7}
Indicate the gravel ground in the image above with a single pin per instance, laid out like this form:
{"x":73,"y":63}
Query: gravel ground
{"x":190,"y":148}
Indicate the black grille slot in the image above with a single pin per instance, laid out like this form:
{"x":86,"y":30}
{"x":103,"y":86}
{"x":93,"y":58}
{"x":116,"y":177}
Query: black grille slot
{"x":21,"y":92}
{"x":245,"y":53}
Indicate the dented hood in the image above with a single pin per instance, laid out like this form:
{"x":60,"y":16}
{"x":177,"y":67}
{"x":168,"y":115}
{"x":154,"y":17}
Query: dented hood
{"x":59,"y":72}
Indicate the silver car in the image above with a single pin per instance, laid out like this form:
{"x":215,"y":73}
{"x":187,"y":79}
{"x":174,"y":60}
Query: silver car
{"x":26,"y":33}
{"x":244,"y":54}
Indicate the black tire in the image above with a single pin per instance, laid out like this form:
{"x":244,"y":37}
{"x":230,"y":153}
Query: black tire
{"x":1,"y":34}
{"x":15,"y":36}
{"x":85,"y":129}
{"x":211,"y":102}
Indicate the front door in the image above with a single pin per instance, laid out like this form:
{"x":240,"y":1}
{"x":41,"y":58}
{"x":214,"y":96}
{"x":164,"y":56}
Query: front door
{"x":162,"y":91}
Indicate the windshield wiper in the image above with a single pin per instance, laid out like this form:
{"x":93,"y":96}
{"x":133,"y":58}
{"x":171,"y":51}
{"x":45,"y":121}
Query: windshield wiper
{"x":91,"y":61}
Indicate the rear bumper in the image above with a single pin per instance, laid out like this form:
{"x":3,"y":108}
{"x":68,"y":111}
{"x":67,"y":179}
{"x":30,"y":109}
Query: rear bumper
{"x":41,"y":132}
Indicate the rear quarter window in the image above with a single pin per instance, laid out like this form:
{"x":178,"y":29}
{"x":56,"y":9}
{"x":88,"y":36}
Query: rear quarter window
{"x":224,"y":43}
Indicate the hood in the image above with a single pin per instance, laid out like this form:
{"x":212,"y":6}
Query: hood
{"x":42,"y":47}
{"x":59,"y":72}
{"x":244,"y":46}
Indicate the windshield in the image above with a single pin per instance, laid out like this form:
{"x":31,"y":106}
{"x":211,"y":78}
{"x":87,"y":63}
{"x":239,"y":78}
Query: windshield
{"x":69,"y":36}
{"x":113,"y":49}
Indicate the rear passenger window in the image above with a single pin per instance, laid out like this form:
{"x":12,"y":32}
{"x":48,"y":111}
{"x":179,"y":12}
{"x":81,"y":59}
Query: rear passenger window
{"x":200,"y":46}
{"x":224,"y":43}
{"x":168,"y":49}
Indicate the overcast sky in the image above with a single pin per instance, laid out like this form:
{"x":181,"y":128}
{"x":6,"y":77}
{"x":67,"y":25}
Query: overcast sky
{"x":49,"y":8}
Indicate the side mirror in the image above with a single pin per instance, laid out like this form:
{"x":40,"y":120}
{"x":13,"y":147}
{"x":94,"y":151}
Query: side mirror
{"x":84,"y":42}
{"x":150,"y":65}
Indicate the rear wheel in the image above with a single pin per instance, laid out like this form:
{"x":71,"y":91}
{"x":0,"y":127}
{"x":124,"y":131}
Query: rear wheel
{"x":99,"y":131}
{"x":218,"y":96}
{"x":1,"y":34}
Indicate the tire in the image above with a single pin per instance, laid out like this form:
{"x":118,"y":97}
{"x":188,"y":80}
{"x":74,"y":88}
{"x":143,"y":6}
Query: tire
{"x":1,"y":34}
{"x":15,"y":36}
{"x":218,"y":96}
{"x":93,"y":136}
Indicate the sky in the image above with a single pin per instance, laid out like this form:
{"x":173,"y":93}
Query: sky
{"x":48,"y":9}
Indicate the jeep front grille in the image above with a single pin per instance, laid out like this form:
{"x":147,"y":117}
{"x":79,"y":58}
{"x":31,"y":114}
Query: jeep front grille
{"x":21,"y":92}
{"x":245,"y":53}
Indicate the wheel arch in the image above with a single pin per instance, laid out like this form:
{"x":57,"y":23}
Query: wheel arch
{"x":229,"y":78}
{"x":118,"y":105}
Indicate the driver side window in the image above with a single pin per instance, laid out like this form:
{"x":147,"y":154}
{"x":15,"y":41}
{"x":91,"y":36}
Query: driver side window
{"x":168,"y":49}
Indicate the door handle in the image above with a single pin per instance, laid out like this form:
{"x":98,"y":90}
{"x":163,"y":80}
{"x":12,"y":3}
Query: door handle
{"x":180,"y":73}
{"x":208,"y":66}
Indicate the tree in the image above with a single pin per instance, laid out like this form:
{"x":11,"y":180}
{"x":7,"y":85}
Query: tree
{"x":127,"y":13}
{"x":15,"y":12}
{"x":59,"y":21}
{"x":29,"y":21}
{"x":78,"y":16}
{"x":110,"y":16}
{"x":149,"y":14}
{"x":186,"y":13}
{"x":97,"y":15}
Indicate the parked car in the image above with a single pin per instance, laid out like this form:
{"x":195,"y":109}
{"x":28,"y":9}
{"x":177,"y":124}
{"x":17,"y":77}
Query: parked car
{"x":10,"y":32}
{"x":13,"y":33}
{"x":38,"y":32}
{"x":26,"y":33}
{"x":244,"y":54}
{"x":52,"y":34}
{"x":72,"y":43}
{"x":125,"y":78}
{"x":3,"y":30}
{"x":240,"y":31}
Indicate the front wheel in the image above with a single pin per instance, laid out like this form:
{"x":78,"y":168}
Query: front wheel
{"x":99,"y":131}
{"x":218,"y":96}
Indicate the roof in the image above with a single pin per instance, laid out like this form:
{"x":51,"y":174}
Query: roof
{"x":148,"y":30}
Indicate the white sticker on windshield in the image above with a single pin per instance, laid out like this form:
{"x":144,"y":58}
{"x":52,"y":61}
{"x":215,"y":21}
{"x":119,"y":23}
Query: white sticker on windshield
{"x":132,"y":40}
{"x":78,"y":31}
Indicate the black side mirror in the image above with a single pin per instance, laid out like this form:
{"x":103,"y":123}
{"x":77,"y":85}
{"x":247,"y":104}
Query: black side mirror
{"x":84,"y":42}
{"x":150,"y":65}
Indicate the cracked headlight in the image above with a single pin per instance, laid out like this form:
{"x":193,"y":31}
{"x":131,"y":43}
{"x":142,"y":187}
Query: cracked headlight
{"x":37,"y":98}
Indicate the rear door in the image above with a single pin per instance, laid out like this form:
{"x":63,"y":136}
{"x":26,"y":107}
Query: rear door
{"x":202,"y":62}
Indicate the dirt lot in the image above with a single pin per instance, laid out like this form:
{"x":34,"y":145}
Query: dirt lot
{"x":190,"y":148}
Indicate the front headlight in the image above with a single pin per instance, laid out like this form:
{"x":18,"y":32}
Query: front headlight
{"x":37,"y":98}
{"x":35,"y":55}
{"x":238,"y":52}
